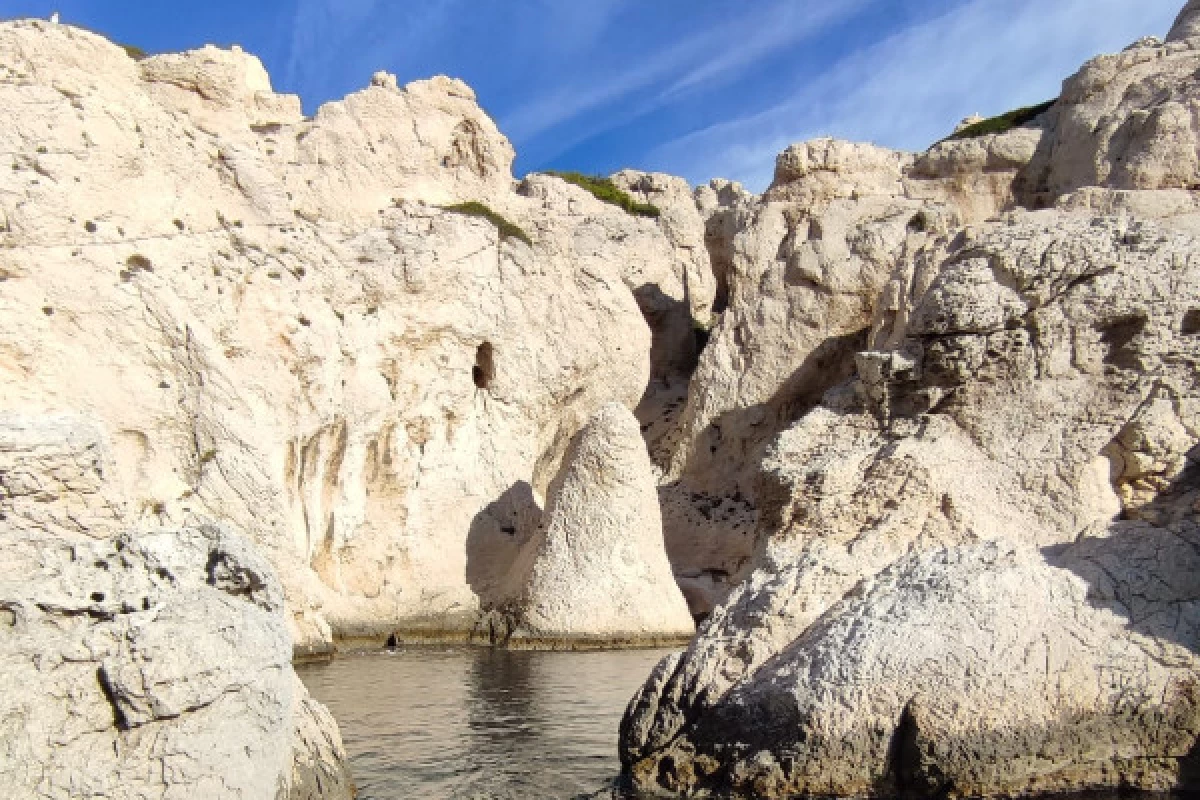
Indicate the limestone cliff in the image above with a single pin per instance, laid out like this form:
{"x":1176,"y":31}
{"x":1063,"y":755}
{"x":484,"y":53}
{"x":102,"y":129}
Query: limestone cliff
{"x":973,"y":567}
{"x":285,"y":324}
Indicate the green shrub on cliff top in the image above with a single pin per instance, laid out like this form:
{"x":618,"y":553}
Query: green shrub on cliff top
{"x":1005,"y":122}
{"x":476,"y":209}
{"x":604,"y":189}
{"x":134,"y":52}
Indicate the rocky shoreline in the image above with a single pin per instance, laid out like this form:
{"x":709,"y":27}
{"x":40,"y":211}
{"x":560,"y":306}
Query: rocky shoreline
{"x":913,"y":438}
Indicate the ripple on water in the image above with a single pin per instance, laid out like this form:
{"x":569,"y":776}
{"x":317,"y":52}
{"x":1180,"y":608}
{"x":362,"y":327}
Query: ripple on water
{"x":472,"y":722}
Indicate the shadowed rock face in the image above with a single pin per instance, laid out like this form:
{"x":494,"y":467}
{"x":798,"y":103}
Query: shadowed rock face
{"x":1187,"y":24}
{"x":976,"y":559}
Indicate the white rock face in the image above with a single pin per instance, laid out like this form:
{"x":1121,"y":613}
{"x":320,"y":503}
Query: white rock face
{"x":802,"y":268}
{"x":974,"y":566}
{"x":269,"y":321}
{"x":597,"y":573}
{"x":807,"y":264}
{"x":1124,"y":121}
{"x":154,"y":666}
{"x":977,"y":174}
{"x":960,"y":545}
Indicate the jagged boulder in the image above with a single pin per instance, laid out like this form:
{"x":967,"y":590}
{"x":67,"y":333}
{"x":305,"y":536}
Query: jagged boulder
{"x":982,"y":670}
{"x":154,"y":665}
{"x":1124,"y":121}
{"x":597,"y":572}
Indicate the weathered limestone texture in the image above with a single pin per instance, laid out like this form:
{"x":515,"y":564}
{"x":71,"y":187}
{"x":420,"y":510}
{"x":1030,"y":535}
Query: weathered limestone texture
{"x":275,"y":324}
{"x":974,"y":567}
{"x":1012,"y":470}
{"x":1124,"y":122}
{"x":154,"y":666}
{"x":596,"y":572}
{"x":801,"y":268}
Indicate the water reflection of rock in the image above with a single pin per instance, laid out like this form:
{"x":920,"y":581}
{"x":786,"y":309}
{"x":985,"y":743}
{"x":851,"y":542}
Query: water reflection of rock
{"x":501,"y":696}
{"x":458,"y":722}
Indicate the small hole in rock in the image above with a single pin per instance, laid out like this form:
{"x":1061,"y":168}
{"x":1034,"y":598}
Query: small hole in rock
{"x":137,"y":261}
{"x":1191,"y":322}
{"x":484,"y":371}
{"x":392,"y":644}
{"x":97,"y":597}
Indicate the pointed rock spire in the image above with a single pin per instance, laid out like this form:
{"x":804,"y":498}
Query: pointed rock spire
{"x":1187,"y":24}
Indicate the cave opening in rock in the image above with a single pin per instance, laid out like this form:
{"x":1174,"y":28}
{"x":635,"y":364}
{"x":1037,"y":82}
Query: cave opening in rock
{"x":484,"y":371}
{"x":1118,"y":336}
{"x":1191,"y":322}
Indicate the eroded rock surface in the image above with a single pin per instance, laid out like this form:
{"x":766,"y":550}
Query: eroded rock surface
{"x":803,"y":266}
{"x":274,"y":323}
{"x":954,"y":506}
{"x":974,"y":566}
{"x":803,"y":269}
{"x":154,"y":666}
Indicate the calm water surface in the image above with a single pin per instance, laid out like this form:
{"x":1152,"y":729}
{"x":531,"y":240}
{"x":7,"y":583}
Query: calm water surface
{"x":471,"y":722}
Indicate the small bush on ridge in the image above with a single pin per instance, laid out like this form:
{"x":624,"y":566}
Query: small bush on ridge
{"x":476,"y":209}
{"x":1005,"y":122}
{"x":604,"y":189}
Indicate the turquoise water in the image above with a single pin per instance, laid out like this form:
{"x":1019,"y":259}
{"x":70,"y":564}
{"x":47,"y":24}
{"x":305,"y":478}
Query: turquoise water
{"x":472,"y":722}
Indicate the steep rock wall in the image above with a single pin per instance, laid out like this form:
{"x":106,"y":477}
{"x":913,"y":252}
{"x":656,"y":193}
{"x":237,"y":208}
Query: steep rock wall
{"x":974,"y":565}
{"x":274,"y":322}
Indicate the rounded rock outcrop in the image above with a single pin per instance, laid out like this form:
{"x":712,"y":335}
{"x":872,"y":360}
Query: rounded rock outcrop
{"x":1187,"y":24}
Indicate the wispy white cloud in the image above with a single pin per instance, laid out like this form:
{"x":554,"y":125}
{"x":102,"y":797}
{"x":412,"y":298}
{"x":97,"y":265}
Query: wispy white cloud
{"x":705,"y":57}
{"x":986,"y":56}
{"x":326,"y":34}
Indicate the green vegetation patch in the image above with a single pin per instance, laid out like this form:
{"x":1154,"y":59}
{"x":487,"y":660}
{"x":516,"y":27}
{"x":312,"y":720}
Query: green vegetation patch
{"x":474,"y":209}
{"x":604,"y":189}
{"x":134,"y":52}
{"x":1004,"y":122}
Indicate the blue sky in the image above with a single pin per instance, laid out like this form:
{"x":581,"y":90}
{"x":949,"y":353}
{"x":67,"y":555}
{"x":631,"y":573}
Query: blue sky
{"x":699,"y":88}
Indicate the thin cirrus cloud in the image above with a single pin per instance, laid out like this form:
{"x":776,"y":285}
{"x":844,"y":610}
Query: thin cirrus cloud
{"x":335,"y":44}
{"x":714,"y":53}
{"x":554,"y":74}
{"x":703,"y":88}
{"x":908,"y":90}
